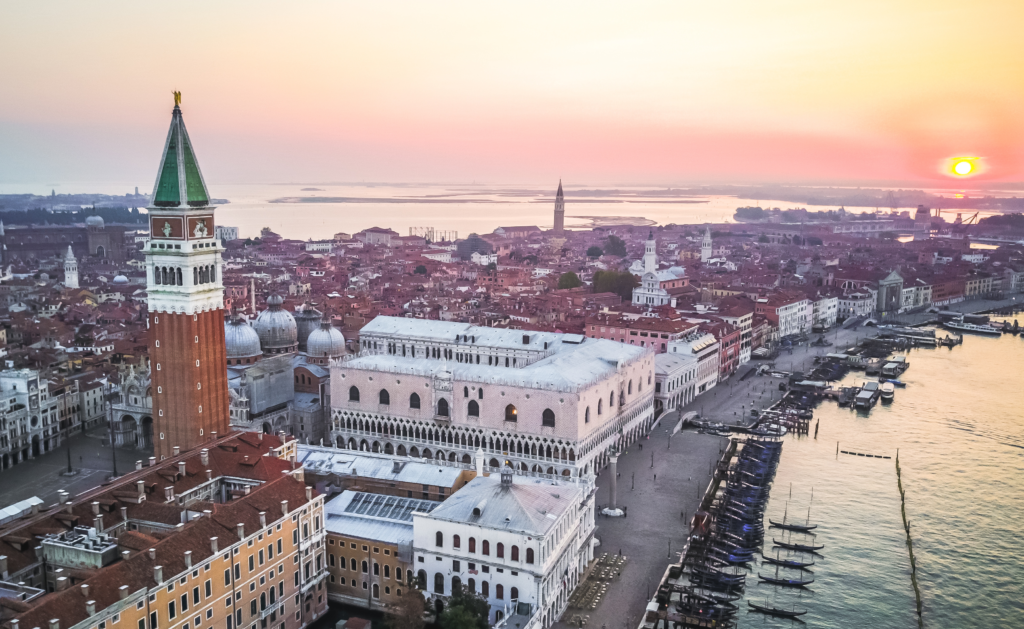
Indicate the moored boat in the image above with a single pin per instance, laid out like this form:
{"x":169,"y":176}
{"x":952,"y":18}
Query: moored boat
{"x":787,"y":563}
{"x":888,"y":391}
{"x":799,"y":528}
{"x":776,"y":611}
{"x":797,"y":583}
{"x":803,"y":547}
{"x":963,"y":326}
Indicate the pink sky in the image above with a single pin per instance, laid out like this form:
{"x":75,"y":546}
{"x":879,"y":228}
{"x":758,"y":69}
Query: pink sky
{"x":660,"y":93}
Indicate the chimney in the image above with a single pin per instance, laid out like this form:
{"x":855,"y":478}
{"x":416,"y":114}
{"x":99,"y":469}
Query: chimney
{"x":260,"y":436}
{"x":176,"y":450}
{"x":208,"y":513}
{"x":62,"y":497}
{"x":284,"y":507}
{"x":90,"y":608}
{"x":62,"y":582}
{"x":95,"y":507}
{"x":142,"y":488}
{"x":263,"y":519}
{"x":247,"y":490}
{"x":97,"y":523}
{"x":152,"y":461}
{"x":245,"y":459}
{"x":35,"y":509}
{"x":188,"y":558}
{"x":14,"y":623}
{"x":158,"y":574}
{"x":181,"y":469}
{"x":169,"y":494}
{"x":213,"y":544}
{"x":396,"y":467}
{"x":240,"y":529}
{"x":204,"y":456}
{"x":124,"y":513}
{"x":209,"y":474}
{"x":213,"y":435}
{"x":122,"y":592}
{"x":55,"y":623}
{"x":480,"y":462}
{"x":138,"y":465}
{"x":152,"y":553}
{"x":85,"y":590}
{"x":309,"y":493}
{"x":3,"y":567}
{"x":125,"y":554}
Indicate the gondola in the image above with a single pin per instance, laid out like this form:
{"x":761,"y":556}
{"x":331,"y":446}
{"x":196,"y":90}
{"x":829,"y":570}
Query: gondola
{"x":788,"y":582}
{"x":799,"y":528}
{"x":803,"y":547}
{"x":775,"y":611}
{"x":787,"y":563}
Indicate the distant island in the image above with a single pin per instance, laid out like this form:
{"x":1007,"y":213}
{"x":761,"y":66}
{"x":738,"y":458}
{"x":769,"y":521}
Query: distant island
{"x":68,"y":209}
{"x":311,"y":190}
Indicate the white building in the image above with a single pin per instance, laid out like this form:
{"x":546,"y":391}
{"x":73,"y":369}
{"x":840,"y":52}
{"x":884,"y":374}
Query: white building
{"x":483,"y":259}
{"x":856,"y":304}
{"x":704,"y":348}
{"x":545,"y":403}
{"x":441,"y":255}
{"x":320,"y":246}
{"x":674,"y":381}
{"x":224,"y":233}
{"x":70,"y":270}
{"x":650,"y":292}
{"x":824,"y":310}
{"x":522,"y":543}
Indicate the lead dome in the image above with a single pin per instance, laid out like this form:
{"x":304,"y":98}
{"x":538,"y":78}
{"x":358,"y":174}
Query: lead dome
{"x":325,"y":343}
{"x":276,"y":328}
{"x":242,"y":342}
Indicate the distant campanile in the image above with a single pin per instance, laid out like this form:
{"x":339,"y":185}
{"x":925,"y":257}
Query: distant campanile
{"x":559,"y":211}
{"x":186,"y":303}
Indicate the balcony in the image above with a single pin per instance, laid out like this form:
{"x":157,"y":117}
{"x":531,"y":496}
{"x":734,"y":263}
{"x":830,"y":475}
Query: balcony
{"x":278,"y":606}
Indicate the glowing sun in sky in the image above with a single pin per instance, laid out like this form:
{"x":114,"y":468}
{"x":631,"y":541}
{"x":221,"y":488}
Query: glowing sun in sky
{"x":963,"y":166}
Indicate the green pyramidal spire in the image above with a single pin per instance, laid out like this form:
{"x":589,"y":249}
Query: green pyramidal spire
{"x":179,"y":181}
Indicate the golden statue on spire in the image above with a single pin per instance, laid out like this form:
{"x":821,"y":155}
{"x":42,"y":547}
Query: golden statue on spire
{"x":177,"y":98}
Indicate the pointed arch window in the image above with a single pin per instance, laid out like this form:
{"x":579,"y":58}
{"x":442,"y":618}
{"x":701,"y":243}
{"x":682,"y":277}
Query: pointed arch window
{"x":586,"y":416}
{"x":442,"y":407}
{"x":511,"y":414}
{"x":465,"y":391}
{"x":414,"y":400}
{"x":474,"y":409}
{"x":548,"y":418}
{"x":384,"y":397}
{"x":353,"y":394}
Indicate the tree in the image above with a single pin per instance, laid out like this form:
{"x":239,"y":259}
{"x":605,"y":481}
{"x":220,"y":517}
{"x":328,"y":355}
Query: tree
{"x":763,"y":238}
{"x":615,"y":246}
{"x":595,"y":252}
{"x":492,"y":267}
{"x":622,"y":284}
{"x":465,"y":610}
{"x":408,"y":612}
{"x":421,"y":270}
{"x":569,"y":280}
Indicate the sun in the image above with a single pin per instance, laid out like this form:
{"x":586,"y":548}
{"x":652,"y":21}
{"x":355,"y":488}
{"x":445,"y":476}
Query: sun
{"x":963,"y":166}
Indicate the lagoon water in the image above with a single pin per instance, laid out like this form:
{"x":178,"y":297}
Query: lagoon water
{"x":959,"y":428}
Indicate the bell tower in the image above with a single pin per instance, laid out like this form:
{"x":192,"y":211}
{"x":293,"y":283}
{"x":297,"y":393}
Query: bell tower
{"x":559,"y":210}
{"x":186,"y":302}
{"x":70,"y":270}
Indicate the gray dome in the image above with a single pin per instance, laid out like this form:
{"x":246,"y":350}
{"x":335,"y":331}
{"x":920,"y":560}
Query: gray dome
{"x":94,"y":221}
{"x":327,"y":341}
{"x":241,"y":340}
{"x":276,"y":328}
{"x":308,"y":321}
{"x":120,"y":279}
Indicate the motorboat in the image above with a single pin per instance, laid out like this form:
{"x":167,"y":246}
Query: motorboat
{"x":888,"y":390}
{"x":962,"y":326}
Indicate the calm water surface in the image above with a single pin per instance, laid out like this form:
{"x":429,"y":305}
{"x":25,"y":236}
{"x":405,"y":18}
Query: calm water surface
{"x":959,"y":427}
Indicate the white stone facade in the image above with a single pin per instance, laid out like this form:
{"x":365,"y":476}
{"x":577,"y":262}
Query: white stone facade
{"x":675,"y":377}
{"x":522,"y":543}
{"x":552,"y":404}
{"x":704,"y":348}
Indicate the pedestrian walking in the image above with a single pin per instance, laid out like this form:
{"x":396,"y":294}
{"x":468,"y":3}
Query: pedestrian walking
{"x":655,"y":477}
{"x":641,"y":447}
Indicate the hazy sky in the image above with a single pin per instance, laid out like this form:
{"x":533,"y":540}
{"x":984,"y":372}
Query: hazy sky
{"x":682,"y":91}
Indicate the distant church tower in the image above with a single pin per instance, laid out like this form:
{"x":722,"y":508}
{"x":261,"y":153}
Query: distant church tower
{"x":650,"y":254}
{"x":705,"y":246}
{"x":559,"y":211}
{"x":70,"y":270}
{"x":186,"y":303}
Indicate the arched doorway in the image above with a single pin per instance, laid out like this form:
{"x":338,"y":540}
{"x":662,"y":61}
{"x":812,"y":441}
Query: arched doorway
{"x":267,"y":428}
{"x":101,"y":252}
{"x":146,"y":441}
{"x":35,"y":446}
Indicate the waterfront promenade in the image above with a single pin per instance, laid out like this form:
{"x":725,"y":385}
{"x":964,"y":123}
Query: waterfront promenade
{"x":681,"y":466}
